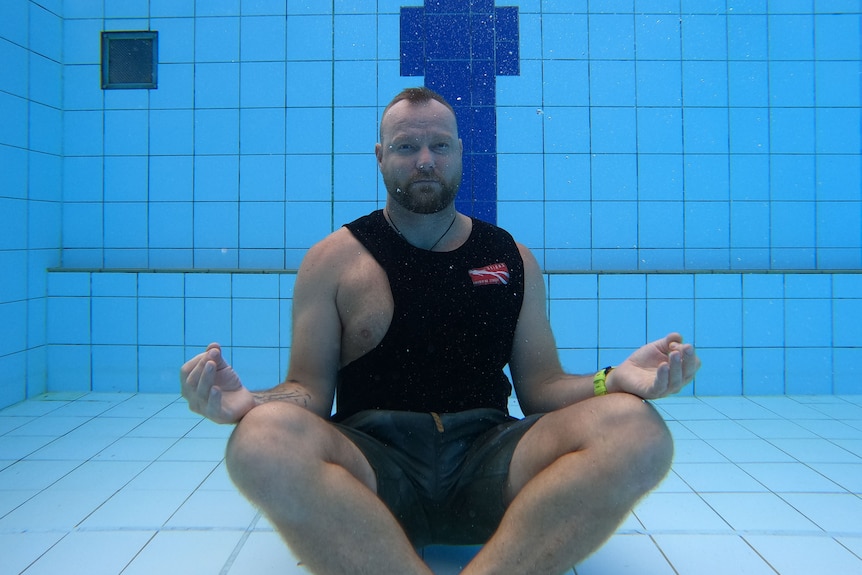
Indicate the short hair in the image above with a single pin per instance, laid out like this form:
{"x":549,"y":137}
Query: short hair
{"x":418,"y":95}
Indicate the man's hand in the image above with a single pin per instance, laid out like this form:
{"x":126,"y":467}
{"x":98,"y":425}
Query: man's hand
{"x":213,"y":388}
{"x":656,"y":370}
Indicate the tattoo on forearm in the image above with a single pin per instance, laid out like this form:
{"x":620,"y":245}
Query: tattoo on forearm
{"x":300,"y":398}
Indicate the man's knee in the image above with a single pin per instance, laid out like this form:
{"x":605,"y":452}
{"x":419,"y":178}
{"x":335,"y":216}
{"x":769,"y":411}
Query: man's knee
{"x":641,"y":436}
{"x":275,"y":439}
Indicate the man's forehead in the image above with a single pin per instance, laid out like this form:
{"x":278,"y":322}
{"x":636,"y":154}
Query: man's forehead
{"x":431,"y":115}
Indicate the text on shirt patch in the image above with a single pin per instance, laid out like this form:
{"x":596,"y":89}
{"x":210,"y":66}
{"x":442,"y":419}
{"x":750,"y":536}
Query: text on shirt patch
{"x":494,"y":274}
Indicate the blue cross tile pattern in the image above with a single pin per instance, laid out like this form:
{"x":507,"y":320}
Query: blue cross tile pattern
{"x":461,"y":48}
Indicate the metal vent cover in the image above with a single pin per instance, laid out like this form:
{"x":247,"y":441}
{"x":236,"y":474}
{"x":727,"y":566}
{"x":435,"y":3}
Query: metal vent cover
{"x":130,"y":60}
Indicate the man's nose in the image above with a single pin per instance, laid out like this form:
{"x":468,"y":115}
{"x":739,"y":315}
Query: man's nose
{"x":425,"y":160}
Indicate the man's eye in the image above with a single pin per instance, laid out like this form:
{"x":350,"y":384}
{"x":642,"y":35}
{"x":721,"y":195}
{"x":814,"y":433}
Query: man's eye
{"x":441,"y":148}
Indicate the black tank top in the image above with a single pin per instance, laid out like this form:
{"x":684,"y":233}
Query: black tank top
{"x":452,"y":326}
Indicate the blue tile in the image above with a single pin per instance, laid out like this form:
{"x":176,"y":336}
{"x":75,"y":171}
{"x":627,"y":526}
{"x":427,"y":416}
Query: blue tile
{"x":749,"y":131}
{"x":125,"y":224}
{"x":622,"y":323}
{"x":805,"y":369}
{"x":793,"y":224}
{"x":613,"y":130}
{"x":614,"y":216}
{"x":45,"y":124}
{"x":763,"y":323}
{"x":707,"y":224}
{"x":316,"y":83}
{"x":705,"y":131}
{"x":263,"y":38}
{"x":660,"y":177}
{"x":262,"y":84}
{"x":217,"y":85}
{"x":171,"y":132}
{"x":78,"y":41}
{"x":176,"y":42}
{"x":73,"y":361}
{"x":216,"y":39}
{"x":567,"y":224}
{"x":216,"y":131}
{"x":665,"y":316}
{"x":160,"y":321}
{"x":307,"y":121}
{"x":255,"y":322}
{"x":307,"y":175}
{"x":216,"y":225}
{"x":611,"y":36}
{"x":566,"y":315}
{"x":763,"y":371}
{"x":718,"y":323}
{"x":216,"y":178}
{"x":746,"y":37}
{"x":171,"y":178}
{"x":355,"y":130}
{"x":160,"y":285}
{"x":306,"y":223}
{"x":173,"y":8}
{"x":82,"y":225}
{"x":567,"y":83}
{"x":837,"y":36}
{"x":791,"y":37}
{"x":659,"y":83}
{"x":707,"y":177}
{"x":612,"y":83}
{"x":566,"y":176}
{"x":351,"y":83}
{"x":176,"y":87}
{"x":262,"y":131}
{"x":659,"y":130}
{"x":261,"y":178}
{"x":749,"y":224}
{"x":114,"y":320}
{"x":836,"y":84}
{"x":170,"y":225}
{"x":836,"y":133}
{"x":126,"y":179}
{"x":68,"y":320}
{"x":704,"y":37}
{"x":847,"y":369}
{"x":211,"y":285}
{"x":791,"y":83}
{"x":747,"y":83}
{"x":355,"y":37}
{"x":207,"y":320}
{"x":565,"y":36}
{"x":660,"y":224}
{"x":126,"y":132}
{"x":838,"y":225}
{"x":749,"y":177}
{"x":255,"y":285}
{"x":808,"y":323}
{"x":261,"y":225}
{"x":657,"y":38}
{"x":45,"y":81}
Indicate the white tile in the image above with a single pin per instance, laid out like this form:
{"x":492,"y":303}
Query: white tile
{"x":716,"y":477}
{"x":12,"y":498}
{"x":805,"y":555}
{"x":672,"y":483}
{"x":136,"y":509}
{"x":831,"y":428}
{"x":73,"y":447}
{"x":101,"y":475}
{"x":22,"y":549}
{"x":847,"y":475}
{"x":189,"y":449}
{"x":833,"y":512}
{"x":787,"y":407}
{"x":136,"y":449}
{"x":776,"y":428}
{"x":678,"y":512}
{"x":214,"y":510}
{"x":694,"y":554}
{"x":628,"y":554}
{"x":758,"y":512}
{"x":265,"y":552}
{"x":173,"y":475}
{"x":750,"y":450}
{"x":696,"y":451}
{"x":53,"y":509}
{"x":789,"y":477}
{"x":163,"y":427}
{"x":19,"y":447}
{"x":93,"y":553}
{"x":208,"y":429}
{"x":50,"y":425}
{"x":34,"y":474}
{"x":816,"y":451}
{"x":186,"y":552}
{"x":739,"y":408}
{"x":218,"y":480}
{"x":718,"y":429}
{"x":10,"y":422}
{"x":106,"y":426}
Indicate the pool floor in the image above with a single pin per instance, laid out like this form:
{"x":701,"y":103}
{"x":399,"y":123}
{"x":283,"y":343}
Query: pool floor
{"x":95,"y":483}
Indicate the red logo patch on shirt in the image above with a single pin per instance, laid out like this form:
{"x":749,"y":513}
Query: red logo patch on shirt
{"x":494,"y":274}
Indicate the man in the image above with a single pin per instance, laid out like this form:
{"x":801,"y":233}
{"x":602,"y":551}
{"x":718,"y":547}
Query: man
{"x":411,"y":313}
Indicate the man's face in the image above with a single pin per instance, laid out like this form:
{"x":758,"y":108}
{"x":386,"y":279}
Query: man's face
{"x":420,"y":155}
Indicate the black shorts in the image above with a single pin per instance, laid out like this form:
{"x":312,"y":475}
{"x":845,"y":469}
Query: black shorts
{"x":442,"y":476}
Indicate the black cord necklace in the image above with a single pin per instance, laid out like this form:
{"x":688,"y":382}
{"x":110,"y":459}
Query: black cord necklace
{"x":397,"y":231}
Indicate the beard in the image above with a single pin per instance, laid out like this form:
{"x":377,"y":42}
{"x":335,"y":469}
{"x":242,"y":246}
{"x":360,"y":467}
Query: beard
{"x":425,"y":194}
